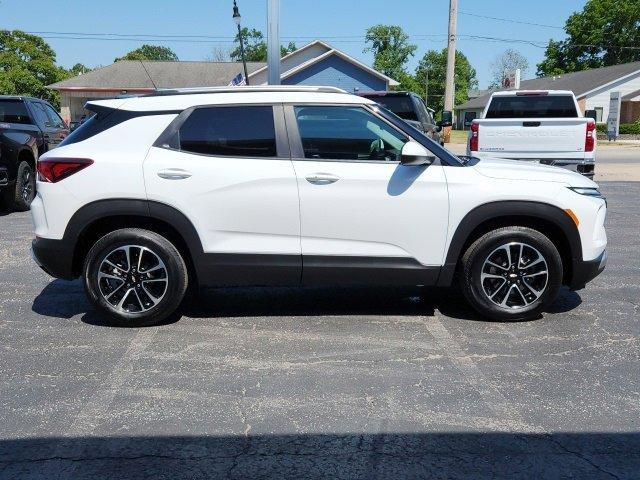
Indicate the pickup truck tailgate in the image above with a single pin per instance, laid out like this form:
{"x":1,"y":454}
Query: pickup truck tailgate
{"x":533,"y":138}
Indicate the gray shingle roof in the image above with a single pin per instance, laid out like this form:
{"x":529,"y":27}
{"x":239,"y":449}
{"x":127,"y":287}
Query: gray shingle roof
{"x":578,"y":82}
{"x":129,"y":74}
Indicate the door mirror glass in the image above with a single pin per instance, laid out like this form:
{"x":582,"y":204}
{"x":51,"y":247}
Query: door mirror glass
{"x":447,"y":119}
{"x":414,"y":154}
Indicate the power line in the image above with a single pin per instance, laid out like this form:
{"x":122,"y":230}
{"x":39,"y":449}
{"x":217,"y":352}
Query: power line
{"x":509,"y":20}
{"x":345,"y":39}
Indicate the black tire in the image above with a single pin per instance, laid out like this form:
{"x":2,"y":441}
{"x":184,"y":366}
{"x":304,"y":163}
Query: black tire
{"x":526,"y":297}
{"x":20,"y":196}
{"x":140,"y":308}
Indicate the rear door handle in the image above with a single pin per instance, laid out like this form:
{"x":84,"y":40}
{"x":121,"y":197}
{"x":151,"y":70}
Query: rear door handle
{"x":322,"y":178}
{"x":174,"y":174}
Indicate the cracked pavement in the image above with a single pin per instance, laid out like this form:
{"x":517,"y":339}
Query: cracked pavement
{"x":322,"y":383}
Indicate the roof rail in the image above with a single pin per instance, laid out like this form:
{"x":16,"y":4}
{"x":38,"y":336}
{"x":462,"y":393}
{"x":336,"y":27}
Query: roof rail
{"x":243,"y":89}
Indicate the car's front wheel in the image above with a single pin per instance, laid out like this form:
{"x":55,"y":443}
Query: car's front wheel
{"x":135,"y":276}
{"x":511,"y":273}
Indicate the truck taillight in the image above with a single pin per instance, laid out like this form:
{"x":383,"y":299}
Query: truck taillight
{"x":590,"y":139}
{"x":475,"y":137}
{"x":53,"y":170}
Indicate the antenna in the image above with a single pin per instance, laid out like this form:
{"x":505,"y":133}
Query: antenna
{"x":147,"y":72}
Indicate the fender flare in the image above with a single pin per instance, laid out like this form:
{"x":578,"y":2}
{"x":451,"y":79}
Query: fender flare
{"x":102,"y":209}
{"x":511,"y":208}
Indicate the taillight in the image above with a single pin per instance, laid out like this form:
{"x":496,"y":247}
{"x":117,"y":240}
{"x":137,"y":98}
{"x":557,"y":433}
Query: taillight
{"x":53,"y":170}
{"x":475,"y":137}
{"x":590,"y":139}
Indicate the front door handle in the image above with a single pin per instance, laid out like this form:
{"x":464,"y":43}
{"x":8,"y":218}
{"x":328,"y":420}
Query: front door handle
{"x":174,"y":174}
{"x":322,"y":178}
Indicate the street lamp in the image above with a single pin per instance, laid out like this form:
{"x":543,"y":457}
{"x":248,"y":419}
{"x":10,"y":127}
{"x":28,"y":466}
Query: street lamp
{"x":237,"y":18}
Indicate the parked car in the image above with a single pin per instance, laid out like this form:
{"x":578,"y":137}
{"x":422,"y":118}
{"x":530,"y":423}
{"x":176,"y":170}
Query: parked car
{"x":412,"y":109}
{"x":29,"y":127}
{"x":300,"y":185}
{"x":543,"y":126}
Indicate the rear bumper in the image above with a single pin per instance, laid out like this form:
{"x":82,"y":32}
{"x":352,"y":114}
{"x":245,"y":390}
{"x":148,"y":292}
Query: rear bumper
{"x":585,"y":271}
{"x":54,"y":257}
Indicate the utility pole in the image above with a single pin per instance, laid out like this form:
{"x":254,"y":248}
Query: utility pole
{"x":449,"y":90}
{"x":426,"y":87}
{"x":273,"y":41}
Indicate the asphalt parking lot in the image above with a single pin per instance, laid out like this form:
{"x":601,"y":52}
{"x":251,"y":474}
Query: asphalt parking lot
{"x":322,"y":383}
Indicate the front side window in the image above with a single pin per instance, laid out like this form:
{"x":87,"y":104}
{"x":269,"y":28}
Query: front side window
{"x":347,"y":133}
{"x":230,"y":131}
{"x":54,"y":118}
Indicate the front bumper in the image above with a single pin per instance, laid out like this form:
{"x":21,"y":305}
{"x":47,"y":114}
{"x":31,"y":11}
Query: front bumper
{"x":54,"y":257}
{"x":585,"y":271}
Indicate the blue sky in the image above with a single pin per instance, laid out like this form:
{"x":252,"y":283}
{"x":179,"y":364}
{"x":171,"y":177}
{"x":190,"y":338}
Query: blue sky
{"x":340,"y":22}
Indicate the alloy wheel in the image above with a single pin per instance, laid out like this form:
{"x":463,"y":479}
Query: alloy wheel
{"x":514,"y":275}
{"x":132,"y":279}
{"x":27,"y":187}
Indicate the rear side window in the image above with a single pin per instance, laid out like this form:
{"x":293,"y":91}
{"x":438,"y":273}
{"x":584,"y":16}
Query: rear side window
{"x":14,"y":111}
{"x":543,"y":106}
{"x":230,"y":131}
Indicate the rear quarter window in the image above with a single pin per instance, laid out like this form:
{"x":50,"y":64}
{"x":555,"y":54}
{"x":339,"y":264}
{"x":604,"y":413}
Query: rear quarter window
{"x":542,"y":106}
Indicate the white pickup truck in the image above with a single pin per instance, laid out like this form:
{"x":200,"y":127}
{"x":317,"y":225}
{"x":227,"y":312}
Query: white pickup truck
{"x":537,"y":125}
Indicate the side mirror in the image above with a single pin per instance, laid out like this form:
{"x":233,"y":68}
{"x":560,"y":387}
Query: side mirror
{"x":447,"y":119}
{"x":591,"y":114}
{"x":415,"y":155}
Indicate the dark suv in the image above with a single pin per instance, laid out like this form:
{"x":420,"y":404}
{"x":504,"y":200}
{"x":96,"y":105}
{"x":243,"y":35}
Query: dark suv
{"x":29,"y":127}
{"x":412,"y":109}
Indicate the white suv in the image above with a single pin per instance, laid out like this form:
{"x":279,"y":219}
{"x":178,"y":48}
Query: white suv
{"x":300,"y":186}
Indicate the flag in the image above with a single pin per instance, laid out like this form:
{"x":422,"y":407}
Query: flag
{"x":238,"y":81}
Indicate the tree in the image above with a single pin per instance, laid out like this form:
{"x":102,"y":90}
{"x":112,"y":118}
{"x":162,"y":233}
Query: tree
{"x":509,"y":61}
{"x":27,"y":66}
{"x":598,"y":36}
{"x":150,"y":52}
{"x":255,"y":47}
{"x":219,"y":54}
{"x":390,"y":47}
{"x":78,"y":69}
{"x":435,"y":62}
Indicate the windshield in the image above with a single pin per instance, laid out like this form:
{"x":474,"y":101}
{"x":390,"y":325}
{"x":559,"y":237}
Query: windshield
{"x":539,"y":106}
{"x":14,"y":111}
{"x":402,"y":106}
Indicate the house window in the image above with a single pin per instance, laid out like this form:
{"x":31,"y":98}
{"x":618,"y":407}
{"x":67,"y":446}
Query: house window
{"x":599,"y":114}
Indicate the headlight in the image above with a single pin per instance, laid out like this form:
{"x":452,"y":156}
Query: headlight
{"x":589,"y":192}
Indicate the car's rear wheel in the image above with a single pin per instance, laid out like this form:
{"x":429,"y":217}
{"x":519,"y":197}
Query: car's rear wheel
{"x":135,"y":276}
{"x":19,"y":197}
{"x":511,"y":274}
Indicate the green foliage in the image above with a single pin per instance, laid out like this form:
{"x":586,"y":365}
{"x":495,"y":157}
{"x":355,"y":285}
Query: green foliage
{"x":436,"y":64}
{"x":625,"y":128}
{"x":78,"y":69}
{"x":27,"y":66}
{"x":391,"y":49}
{"x":595,"y":38}
{"x":255,"y":47}
{"x":150,"y":52}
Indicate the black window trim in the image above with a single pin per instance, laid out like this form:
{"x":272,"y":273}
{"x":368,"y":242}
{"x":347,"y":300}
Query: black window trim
{"x":168,"y":139}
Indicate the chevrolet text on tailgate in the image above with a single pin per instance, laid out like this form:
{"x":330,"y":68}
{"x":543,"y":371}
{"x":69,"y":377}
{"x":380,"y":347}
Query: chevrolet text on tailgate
{"x":539,"y":125}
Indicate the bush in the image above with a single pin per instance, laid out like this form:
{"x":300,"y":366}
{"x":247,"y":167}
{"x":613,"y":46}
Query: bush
{"x":625,"y":128}
{"x":630,"y":128}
